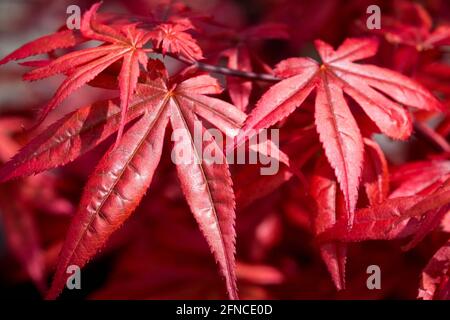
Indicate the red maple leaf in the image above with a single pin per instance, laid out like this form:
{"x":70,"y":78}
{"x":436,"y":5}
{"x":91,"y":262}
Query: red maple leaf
{"x":124,"y":174}
{"x":338,"y":131}
{"x":173,"y":38}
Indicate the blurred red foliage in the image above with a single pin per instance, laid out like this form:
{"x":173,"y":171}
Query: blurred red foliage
{"x":347,"y":195}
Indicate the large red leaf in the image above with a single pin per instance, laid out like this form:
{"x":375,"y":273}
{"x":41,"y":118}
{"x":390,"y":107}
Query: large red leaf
{"x":338,"y":73}
{"x":123,"y":175}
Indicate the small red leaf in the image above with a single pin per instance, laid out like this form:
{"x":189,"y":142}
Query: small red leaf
{"x":173,"y":38}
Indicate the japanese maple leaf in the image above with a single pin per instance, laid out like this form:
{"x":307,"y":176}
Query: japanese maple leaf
{"x":372,"y":87}
{"x":81,"y":66}
{"x":173,"y":38}
{"x":124,"y":174}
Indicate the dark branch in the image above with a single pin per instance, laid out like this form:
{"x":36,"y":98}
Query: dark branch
{"x":226,"y":71}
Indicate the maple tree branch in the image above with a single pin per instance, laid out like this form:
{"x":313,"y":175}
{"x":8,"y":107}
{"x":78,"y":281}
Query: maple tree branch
{"x":227,"y":71}
{"x":431,"y":136}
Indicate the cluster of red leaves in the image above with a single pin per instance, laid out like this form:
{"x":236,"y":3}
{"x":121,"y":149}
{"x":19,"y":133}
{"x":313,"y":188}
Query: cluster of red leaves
{"x":349,"y":192}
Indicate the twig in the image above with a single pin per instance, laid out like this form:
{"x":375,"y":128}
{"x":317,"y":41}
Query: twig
{"x":227,"y":71}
